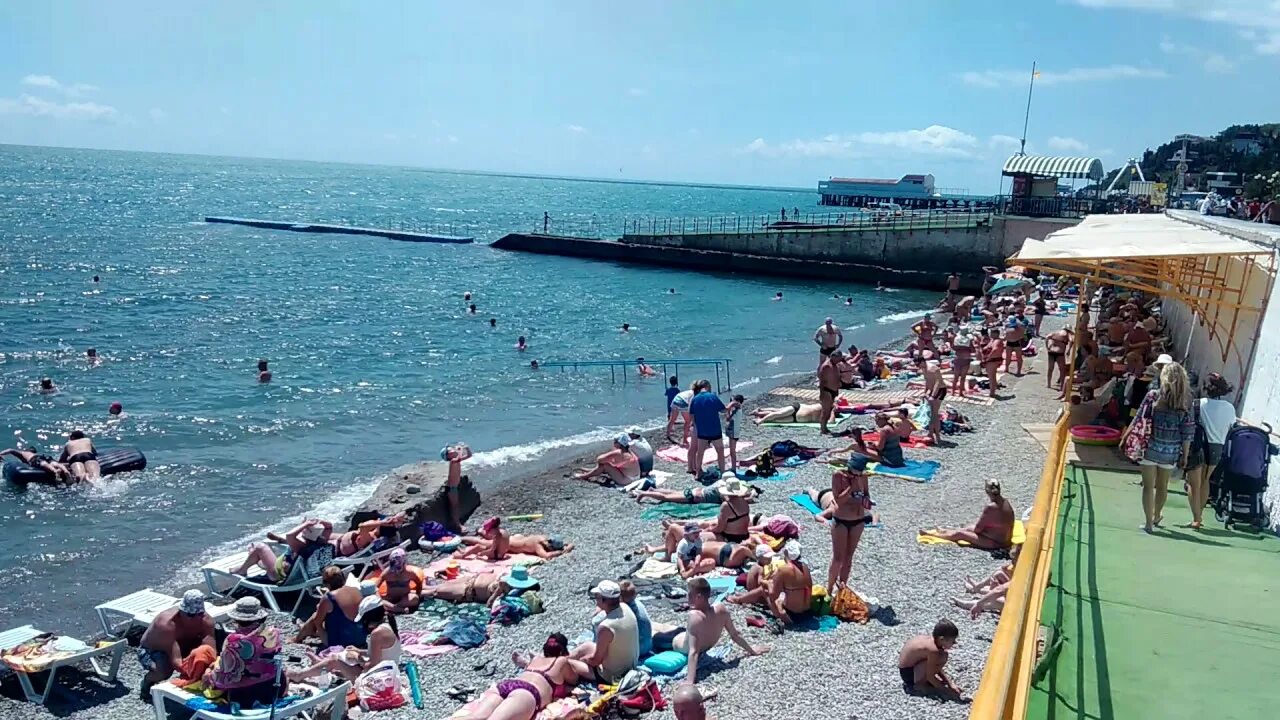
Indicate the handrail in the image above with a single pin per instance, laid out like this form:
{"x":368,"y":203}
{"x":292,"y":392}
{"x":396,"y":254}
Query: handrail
{"x":625,"y":366}
{"x":851,"y":219}
{"x":1005,"y":687}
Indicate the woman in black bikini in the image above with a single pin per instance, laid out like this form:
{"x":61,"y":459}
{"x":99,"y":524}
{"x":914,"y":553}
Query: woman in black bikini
{"x":550,"y":677}
{"x":734,"y":518}
{"x":851,"y":514}
{"x":81,"y":458}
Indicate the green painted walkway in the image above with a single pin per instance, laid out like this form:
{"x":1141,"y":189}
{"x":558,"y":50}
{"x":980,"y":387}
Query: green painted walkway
{"x":1180,"y":624}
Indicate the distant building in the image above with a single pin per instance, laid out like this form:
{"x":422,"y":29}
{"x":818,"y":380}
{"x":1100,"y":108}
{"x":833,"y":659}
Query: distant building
{"x":1225,"y":184}
{"x":909,"y":191}
{"x":1247,"y":143}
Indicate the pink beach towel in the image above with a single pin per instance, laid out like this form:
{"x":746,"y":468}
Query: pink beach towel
{"x":474,"y":566}
{"x":677,"y":454}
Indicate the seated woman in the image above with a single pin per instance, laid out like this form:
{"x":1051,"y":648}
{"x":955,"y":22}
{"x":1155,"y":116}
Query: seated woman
{"x":399,"y":583}
{"x":619,"y":466}
{"x":757,"y":584}
{"x":992,"y":531}
{"x":334,"y":621}
{"x":696,"y":556}
{"x":245,"y":671}
{"x":791,"y":586}
{"x":306,"y":543}
{"x":41,"y":462}
{"x":384,"y":646}
{"x":550,"y":677}
{"x":494,"y":544}
{"x":793,"y":413}
{"x":887,"y":450}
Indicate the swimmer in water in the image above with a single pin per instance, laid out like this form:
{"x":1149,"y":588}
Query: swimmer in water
{"x":471,"y":308}
{"x":644,"y":370}
{"x":671,"y":291}
{"x":626,"y":327}
{"x":46,"y":386}
{"x":96,"y":278}
{"x":264,"y":375}
{"x":91,"y":355}
{"x":520,"y":344}
{"x":848,"y":301}
{"x":880,"y":286}
{"x":533,"y":365}
{"x":116,"y":409}
{"x":466,"y":296}
{"x":493,"y":322}
{"x":777,"y":296}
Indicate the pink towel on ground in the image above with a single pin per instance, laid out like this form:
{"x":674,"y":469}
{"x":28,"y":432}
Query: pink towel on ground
{"x":677,"y":454}
{"x":476,"y":566}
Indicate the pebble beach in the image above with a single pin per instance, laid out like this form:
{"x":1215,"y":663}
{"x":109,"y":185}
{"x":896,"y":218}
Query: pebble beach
{"x":848,"y":673}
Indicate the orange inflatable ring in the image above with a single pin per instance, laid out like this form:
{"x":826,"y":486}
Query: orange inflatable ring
{"x":1095,"y":435}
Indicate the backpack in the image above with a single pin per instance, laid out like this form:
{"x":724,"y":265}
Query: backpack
{"x":764,"y":465}
{"x":1246,"y":457}
{"x":785,"y":448}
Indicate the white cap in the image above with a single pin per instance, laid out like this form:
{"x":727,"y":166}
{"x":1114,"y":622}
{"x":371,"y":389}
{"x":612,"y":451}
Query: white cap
{"x":791,"y":550}
{"x":313,"y":531}
{"x":607,"y":589}
{"x":1164,"y":359}
{"x":367,"y":605}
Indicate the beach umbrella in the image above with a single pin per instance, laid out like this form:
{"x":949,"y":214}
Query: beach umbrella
{"x":1008,"y":285}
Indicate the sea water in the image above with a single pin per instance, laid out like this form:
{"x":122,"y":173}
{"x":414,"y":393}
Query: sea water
{"x":376,"y":360}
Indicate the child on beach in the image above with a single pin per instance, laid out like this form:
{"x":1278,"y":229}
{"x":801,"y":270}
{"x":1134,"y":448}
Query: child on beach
{"x":922,"y":659}
{"x":731,"y":428}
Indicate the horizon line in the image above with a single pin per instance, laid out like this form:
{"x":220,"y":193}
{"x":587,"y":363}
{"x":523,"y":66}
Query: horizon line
{"x":447,"y":171}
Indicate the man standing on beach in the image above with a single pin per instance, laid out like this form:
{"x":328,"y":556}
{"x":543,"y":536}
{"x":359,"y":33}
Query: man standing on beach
{"x":705,"y":408}
{"x":828,"y":388}
{"x":707,"y":624}
{"x":828,"y":337}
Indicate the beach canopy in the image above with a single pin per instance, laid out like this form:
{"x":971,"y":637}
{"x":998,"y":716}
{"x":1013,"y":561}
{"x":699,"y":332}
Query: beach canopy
{"x":1099,"y":239}
{"x":1059,"y":167}
{"x":1008,"y":285}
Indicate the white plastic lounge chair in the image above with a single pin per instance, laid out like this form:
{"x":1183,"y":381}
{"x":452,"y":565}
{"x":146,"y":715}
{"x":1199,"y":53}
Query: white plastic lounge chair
{"x":298,"y":580}
{"x":13,"y":638}
{"x":141,"y":607}
{"x":368,"y":560}
{"x":309,"y":709}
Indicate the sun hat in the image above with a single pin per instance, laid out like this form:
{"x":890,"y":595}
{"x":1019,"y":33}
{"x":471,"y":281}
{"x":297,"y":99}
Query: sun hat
{"x":367,"y":605}
{"x":1164,"y":359}
{"x":248,"y":610}
{"x":791,"y":550}
{"x":490,"y":525}
{"x":312,"y":532}
{"x":519,"y":578}
{"x":734,"y":488}
{"x":623,"y":439}
{"x":763,"y":552}
{"x":607,"y":589}
{"x":397,"y":560}
{"x":192,"y":603}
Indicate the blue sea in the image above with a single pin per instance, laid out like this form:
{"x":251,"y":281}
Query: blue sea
{"x":377,"y":363}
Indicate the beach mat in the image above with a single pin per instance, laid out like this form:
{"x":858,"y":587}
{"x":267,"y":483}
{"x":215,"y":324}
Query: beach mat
{"x":679,"y":511}
{"x":886,"y":398}
{"x":678,"y":454}
{"x":474,"y":566}
{"x":815,"y":623}
{"x":915,"y":470}
{"x":777,"y":476}
{"x":871,"y":437}
{"x":1019,"y":537}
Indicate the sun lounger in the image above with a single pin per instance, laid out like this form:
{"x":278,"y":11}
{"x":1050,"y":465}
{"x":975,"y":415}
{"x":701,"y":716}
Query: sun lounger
{"x":13,"y":638}
{"x":140,"y":608}
{"x":224,"y":569}
{"x":367,"y":560}
{"x":309,"y":709}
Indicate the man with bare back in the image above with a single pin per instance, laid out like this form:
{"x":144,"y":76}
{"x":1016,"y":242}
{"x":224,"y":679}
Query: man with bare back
{"x":707,"y":624}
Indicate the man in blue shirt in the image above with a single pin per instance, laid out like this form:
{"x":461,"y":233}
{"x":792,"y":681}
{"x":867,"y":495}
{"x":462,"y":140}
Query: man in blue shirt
{"x":705,"y":408}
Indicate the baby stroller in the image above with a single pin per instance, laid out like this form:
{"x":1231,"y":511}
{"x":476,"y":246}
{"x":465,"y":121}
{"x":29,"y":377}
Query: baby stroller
{"x":1238,"y":483}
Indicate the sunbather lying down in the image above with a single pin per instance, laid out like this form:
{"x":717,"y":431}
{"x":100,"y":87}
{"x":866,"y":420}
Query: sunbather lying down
{"x":493,"y":544}
{"x":793,"y":413}
{"x":543,"y":680}
{"x":695,"y":555}
{"x":487,"y":588}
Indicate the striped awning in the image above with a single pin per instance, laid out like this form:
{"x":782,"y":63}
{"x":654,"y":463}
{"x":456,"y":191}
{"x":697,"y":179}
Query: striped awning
{"x":1060,"y":167}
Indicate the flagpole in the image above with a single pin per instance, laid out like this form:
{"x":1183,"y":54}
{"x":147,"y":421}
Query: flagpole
{"x":1022,"y":149}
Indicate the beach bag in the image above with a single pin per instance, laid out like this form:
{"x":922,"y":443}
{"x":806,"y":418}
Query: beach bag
{"x":1135,"y":443}
{"x":381,"y":687}
{"x":785,"y":448}
{"x":465,"y":632}
{"x":764,"y":465}
{"x":639,"y":694}
{"x":847,"y":606}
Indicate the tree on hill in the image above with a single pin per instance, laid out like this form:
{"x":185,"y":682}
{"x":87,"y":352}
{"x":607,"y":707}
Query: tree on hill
{"x":1247,"y":149}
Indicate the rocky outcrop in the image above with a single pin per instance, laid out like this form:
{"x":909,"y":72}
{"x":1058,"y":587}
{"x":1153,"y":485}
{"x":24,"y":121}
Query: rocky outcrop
{"x":419,"y":491}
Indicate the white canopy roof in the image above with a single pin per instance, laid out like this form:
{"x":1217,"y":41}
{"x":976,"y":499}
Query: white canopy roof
{"x":1059,"y":167}
{"x":1116,"y":237}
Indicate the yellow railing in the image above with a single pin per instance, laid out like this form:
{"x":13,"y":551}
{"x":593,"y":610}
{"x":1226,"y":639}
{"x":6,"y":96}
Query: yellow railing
{"x":1006,"y":680}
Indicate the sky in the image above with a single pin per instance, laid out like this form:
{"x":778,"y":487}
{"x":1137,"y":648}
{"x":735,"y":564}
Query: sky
{"x":749,"y":93}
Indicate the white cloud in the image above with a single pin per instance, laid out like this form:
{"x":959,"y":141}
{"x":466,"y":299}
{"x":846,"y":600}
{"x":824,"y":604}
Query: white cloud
{"x":157,"y":115}
{"x":1212,"y":62}
{"x":636,"y":92}
{"x":1004,"y":143}
{"x":934,"y":140}
{"x":452,"y":138}
{"x":575,"y":129}
{"x":1258,"y":20}
{"x":999,"y":78}
{"x":1067,"y":144}
{"x":48,"y":82}
{"x":39,"y":107}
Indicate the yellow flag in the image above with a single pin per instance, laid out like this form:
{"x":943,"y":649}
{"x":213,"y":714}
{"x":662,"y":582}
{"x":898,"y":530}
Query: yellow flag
{"x":1035,"y":74}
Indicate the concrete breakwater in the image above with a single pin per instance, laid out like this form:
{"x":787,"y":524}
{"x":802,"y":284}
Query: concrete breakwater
{"x":404,"y":235}
{"x":901,"y":256}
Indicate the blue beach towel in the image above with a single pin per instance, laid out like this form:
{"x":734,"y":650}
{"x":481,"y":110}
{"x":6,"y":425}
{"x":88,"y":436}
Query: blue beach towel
{"x":722,"y":586}
{"x":816,"y":623}
{"x":915,"y":470}
{"x":679,"y":511}
{"x":778,"y":476}
{"x":805,"y":502}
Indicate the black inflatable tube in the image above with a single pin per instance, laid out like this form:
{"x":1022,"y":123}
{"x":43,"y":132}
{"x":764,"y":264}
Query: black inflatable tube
{"x":114,"y":460}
